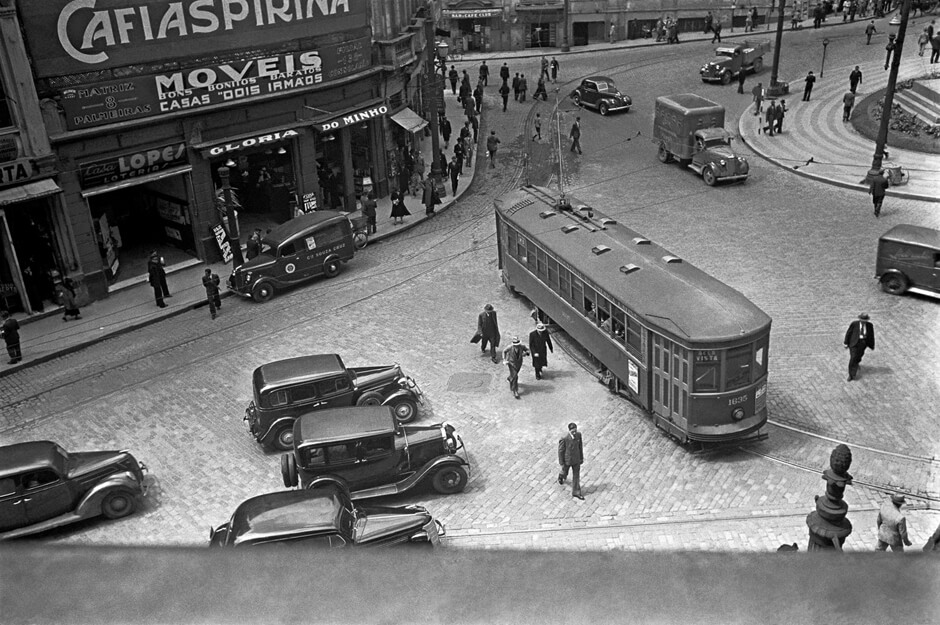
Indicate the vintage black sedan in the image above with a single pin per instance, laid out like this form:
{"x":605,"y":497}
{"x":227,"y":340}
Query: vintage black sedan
{"x":285,"y":389}
{"x":42,"y":486}
{"x":324,"y":518}
{"x":367,"y":452}
{"x":601,"y":94}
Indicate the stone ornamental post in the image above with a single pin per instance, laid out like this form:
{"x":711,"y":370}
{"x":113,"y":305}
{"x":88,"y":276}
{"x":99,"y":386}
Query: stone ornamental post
{"x":828,"y":527}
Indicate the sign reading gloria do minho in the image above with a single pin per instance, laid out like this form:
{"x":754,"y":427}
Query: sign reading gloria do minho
{"x":80,"y":36}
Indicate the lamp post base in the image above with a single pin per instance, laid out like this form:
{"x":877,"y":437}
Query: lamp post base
{"x":778,"y":89}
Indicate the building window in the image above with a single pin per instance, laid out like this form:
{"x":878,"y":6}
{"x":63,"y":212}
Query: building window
{"x":6,"y":107}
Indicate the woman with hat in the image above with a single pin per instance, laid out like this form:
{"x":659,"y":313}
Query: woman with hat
{"x":892,"y":526}
{"x":539,"y":340}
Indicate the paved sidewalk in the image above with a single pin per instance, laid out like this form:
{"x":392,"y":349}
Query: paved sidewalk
{"x":46,"y":336}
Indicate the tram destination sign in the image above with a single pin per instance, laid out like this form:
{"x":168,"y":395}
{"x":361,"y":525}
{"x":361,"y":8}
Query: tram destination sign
{"x":132,"y":165}
{"x":210,"y":85}
{"x":76,"y":36}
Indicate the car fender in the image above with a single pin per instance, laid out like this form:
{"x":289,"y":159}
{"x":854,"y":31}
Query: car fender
{"x":266,"y":437}
{"x":437,"y":463}
{"x":90,"y":504}
{"x":400,"y":393}
{"x":891,"y":272}
{"x":323,"y":480}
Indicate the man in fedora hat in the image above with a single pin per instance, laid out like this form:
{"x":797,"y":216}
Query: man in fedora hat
{"x":513,"y":356}
{"x":571,"y":456}
{"x":892,"y":526}
{"x":539,"y":341}
{"x":488,"y":329}
{"x":859,"y":337}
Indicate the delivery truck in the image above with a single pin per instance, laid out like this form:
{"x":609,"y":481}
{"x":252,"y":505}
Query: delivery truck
{"x":690,"y":129}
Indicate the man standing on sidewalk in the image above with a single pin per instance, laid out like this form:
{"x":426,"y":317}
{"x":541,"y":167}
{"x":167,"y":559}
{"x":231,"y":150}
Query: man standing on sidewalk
{"x":758,"y":93}
{"x":514,"y":357}
{"x":892,"y":526}
{"x":211,"y":283}
{"x":879,"y":184}
{"x":716,"y":29}
{"x":484,"y":74}
{"x":855,"y":79}
{"x":571,"y":456}
{"x":454,"y":77}
{"x":157,"y":279}
{"x":889,"y":50}
{"x":741,"y":77}
{"x":11,"y":336}
{"x":454,"y":170}
{"x":575,"y":135}
{"x":492,"y":143}
{"x":708,"y":23}
{"x":808,"y":89}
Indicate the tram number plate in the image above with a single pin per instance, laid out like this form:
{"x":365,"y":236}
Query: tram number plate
{"x":734,"y":401}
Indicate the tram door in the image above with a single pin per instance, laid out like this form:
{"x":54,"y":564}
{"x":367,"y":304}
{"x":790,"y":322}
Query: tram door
{"x":670,"y":374}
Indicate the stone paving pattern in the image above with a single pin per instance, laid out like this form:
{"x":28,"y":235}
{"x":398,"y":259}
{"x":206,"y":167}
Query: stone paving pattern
{"x":175,"y":392}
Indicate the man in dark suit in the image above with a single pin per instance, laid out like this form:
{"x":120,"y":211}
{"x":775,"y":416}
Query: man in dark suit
{"x":859,"y":337}
{"x":539,"y":341}
{"x":571,"y":455}
{"x":488,"y":329}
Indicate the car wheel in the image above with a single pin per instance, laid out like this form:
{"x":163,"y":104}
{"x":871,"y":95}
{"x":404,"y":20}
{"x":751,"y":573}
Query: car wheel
{"x":758,"y":65}
{"x":708,"y":175}
{"x":726,"y":78}
{"x":118,"y":504}
{"x":262,"y":291}
{"x":284,"y":438}
{"x":577,"y":99}
{"x":603,"y":108}
{"x":372,"y":398}
{"x":663,"y":154}
{"x":289,"y":470}
{"x":405,"y":409}
{"x":331,"y":268}
{"x":895,"y":284}
{"x":450,"y":479}
{"x":360,"y":240}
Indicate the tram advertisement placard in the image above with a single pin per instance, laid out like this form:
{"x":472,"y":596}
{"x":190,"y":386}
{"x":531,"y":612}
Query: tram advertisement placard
{"x":106,"y":171}
{"x":212,"y":84}
{"x":77,"y":36}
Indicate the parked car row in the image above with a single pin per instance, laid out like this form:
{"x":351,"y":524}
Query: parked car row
{"x":346,"y":440}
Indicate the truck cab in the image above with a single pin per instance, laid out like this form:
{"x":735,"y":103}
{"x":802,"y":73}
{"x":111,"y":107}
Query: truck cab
{"x":713,"y":158}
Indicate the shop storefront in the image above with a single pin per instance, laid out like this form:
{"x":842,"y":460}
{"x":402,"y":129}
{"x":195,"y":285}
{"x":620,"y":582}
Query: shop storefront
{"x":140,"y":202}
{"x":541,"y":24}
{"x":33,"y":254}
{"x":475,"y":25}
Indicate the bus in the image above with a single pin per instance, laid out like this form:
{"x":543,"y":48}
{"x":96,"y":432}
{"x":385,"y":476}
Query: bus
{"x":687,"y":348}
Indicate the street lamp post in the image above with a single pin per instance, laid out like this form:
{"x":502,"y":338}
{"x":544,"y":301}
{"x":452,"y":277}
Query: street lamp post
{"x":433,"y":92}
{"x":878,"y":157}
{"x":777,"y":88}
{"x":732,"y":14}
{"x":822,"y":67}
{"x":564,"y":25}
{"x":231,"y":220}
{"x":442,"y":50}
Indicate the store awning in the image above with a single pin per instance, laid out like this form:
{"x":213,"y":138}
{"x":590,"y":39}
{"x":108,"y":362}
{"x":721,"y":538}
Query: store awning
{"x":28,"y":191}
{"x":136,"y":180}
{"x":409,"y":120}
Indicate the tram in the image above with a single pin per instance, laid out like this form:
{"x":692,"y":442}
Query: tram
{"x":689,"y":349}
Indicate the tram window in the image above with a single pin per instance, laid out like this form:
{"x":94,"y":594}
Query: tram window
{"x":531,"y":248}
{"x":760,"y":359}
{"x":705,"y":371}
{"x":520,"y":249}
{"x":511,"y":242}
{"x":553,"y":272}
{"x":633,"y":333}
{"x":564,"y":282}
{"x":542,"y":262}
{"x":577,"y":297}
{"x":619,"y":327}
{"x":738,"y":367}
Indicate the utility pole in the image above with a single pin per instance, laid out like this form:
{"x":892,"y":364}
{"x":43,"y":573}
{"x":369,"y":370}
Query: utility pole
{"x":433,"y":92}
{"x":564,"y":25}
{"x":777,"y":88}
{"x":878,"y":158}
{"x":231,"y":220}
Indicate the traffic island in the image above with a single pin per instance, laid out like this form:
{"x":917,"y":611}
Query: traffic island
{"x":915,"y":116}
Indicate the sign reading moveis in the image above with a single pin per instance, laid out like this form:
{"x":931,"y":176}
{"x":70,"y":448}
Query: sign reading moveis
{"x":132,"y":165}
{"x":198,"y":87}
{"x":72,"y":36}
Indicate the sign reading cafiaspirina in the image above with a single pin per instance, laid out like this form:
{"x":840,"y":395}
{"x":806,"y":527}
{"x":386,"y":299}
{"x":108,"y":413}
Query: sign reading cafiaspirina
{"x":77,"y":36}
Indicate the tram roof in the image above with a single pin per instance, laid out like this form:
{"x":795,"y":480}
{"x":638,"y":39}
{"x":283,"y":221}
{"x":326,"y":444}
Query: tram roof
{"x":675,"y":296}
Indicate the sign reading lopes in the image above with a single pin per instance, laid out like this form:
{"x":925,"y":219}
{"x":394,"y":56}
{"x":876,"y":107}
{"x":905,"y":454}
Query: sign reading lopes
{"x":74,"y":36}
{"x":131,"y":165}
{"x":199,"y":87}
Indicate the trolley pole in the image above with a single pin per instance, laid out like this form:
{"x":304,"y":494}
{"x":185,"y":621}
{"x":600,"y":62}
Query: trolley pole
{"x":878,"y":159}
{"x":231,"y":227}
{"x":433,"y":93}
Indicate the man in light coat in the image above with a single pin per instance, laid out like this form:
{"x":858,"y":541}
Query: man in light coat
{"x":892,"y":526}
{"x":514,"y":357}
{"x":571,"y":456}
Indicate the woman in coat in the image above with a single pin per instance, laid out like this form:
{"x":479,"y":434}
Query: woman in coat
{"x":398,"y":208}
{"x":66,"y":293}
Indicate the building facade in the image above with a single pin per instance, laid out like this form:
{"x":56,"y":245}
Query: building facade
{"x":150,"y":108}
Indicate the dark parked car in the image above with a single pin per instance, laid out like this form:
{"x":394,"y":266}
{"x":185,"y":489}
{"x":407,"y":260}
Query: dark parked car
{"x":42,"y":486}
{"x":371,"y":455}
{"x":285,"y":389}
{"x":600,"y":93}
{"x":315,"y":244}
{"x":324,"y":518}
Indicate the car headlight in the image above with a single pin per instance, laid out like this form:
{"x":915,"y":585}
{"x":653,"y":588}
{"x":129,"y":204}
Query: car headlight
{"x":723,"y":162}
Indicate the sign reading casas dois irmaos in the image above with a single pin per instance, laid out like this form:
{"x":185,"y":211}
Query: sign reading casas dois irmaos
{"x":198,"y":87}
{"x":141,"y":163}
